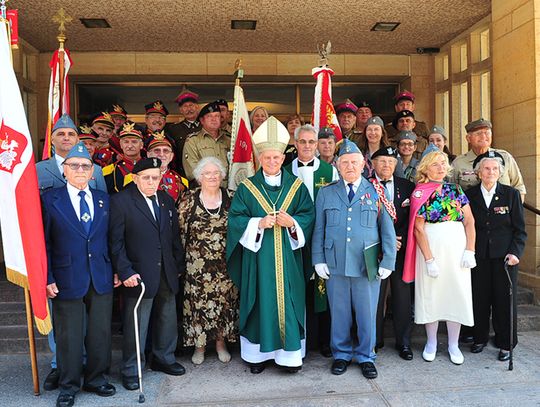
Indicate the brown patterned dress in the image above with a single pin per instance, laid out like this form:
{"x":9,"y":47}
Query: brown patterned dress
{"x":210,"y":297}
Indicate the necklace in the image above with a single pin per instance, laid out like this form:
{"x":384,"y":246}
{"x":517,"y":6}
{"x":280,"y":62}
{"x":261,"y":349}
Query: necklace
{"x":272,"y":202}
{"x":209,"y":211}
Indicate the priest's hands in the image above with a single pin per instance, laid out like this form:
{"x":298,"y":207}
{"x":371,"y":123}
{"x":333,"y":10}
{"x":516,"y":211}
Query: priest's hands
{"x":322,"y":271}
{"x":267,"y":222}
{"x":284,"y":219}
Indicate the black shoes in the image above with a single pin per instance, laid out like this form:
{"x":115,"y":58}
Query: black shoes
{"x":405,"y":352}
{"x":51,"y":381}
{"x":105,"y":390}
{"x":130,"y":382}
{"x":294,"y":369}
{"x":65,"y":400}
{"x":256,"y":368}
{"x":504,"y":355}
{"x":378,"y":346}
{"x":478,"y":347}
{"x":174,"y":369}
{"x":339,"y":366}
{"x":326,"y":351}
{"x":368,"y":370}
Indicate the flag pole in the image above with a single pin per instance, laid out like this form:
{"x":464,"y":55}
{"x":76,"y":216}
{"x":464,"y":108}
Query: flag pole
{"x":61,"y":18}
{"x":27,"y":301}
{"x":238,"y":74}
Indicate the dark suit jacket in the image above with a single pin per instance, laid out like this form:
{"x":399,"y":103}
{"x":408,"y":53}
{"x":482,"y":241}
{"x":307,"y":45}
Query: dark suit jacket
{"x":74,"y":259}
{"x":49,"y":176}
{"x":500,"y":229}
{"x":403,"y":189}
{"x":138,"y":246}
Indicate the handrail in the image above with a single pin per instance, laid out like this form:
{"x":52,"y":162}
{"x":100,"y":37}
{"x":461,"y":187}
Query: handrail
{"x":531,"y":208}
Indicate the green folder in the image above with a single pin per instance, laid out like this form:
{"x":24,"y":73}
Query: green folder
{"x":371,"y":257}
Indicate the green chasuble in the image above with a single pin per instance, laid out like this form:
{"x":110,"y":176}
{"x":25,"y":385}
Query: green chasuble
{"x":271,"y":281}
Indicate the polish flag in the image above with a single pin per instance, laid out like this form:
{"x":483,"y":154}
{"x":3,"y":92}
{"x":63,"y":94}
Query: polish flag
{"x":20,"y":207}
{"x":242,"y":163}
{"x":324,"y":114}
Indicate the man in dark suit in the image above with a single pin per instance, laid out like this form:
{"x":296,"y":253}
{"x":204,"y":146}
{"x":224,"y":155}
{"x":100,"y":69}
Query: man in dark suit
{"x":500,"y":237}
{"x":80,"y":278}
{"x":398,"y":190}
{"x":144,"y":240}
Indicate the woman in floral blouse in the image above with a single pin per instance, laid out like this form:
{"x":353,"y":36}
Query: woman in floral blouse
{"x":210,"y":297}
{"x":440,"y":254}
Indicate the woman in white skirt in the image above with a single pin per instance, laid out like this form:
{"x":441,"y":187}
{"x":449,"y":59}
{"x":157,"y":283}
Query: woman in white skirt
{"x":440,"y":254}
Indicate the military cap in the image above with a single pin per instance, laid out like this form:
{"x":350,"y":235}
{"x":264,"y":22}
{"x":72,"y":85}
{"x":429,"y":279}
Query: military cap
{"x":221,"y":102}
{"x":145,"y":164}
{"x":406,"y":135}
{"x":405,"y":95}
{"x":375,"y":120}
{"x":78,"y":151}
{"x":488,"y":154}
{"x":469,"y":127}
{"x":364,"y":103}
{"x":399,"y":115}
{"x":348,"y":147}
{"x":347,"y":106}
{"x":271,"y":135}
{"x":385,"y":152}
{"x":209,"y":108}
{"x":158,"y":139}
{"x":117,"y":110}
{"x":129,"y":130}
{"x":186,"y":96}
{"x":64,"y":122}
{"x":430,"y":149}
{"x":438,"y":130}
{"x":103,"y":118}
{"x":326,"y":132}
{"x":86,"y":133}
{"x":156,"y":107}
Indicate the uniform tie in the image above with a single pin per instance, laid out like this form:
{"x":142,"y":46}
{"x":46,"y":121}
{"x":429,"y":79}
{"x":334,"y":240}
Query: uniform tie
{"x":156,"y":207}
{"x":351,"y":191}
{"x":86,"y":218}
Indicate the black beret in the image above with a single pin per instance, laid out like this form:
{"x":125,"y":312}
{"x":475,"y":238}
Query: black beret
{"x":221,"y":102}
{"x":326,"y":132}
{"x":209,"y":108}
{"x":399,"y":115}
{"x":145,"y":164}
{"x":385,"y":152}
{"x":488,"y":154}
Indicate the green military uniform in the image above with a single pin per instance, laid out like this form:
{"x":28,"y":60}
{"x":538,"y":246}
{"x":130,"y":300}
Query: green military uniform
{"x":420,"y":130}
{"x":202,"y":144}
{"x":271,"y":280}
{"x":356,"y":136}
{"x":463,"y":173}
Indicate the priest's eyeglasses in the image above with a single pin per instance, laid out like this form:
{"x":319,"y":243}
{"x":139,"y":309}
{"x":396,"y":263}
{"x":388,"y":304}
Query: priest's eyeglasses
{"x":76,"y":166}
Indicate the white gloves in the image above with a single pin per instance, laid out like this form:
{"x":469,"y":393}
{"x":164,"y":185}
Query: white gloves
{"x":432,"y":268}
{"x":511,"y":259}
{"x":322,"y":270}
{"x":383,"y":273}
{"x":468,"y":261}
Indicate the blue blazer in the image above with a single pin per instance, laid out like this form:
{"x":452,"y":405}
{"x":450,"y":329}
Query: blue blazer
{"x":74,"y":258}
{"x":343,"y":229}
{"x":49,"y":176}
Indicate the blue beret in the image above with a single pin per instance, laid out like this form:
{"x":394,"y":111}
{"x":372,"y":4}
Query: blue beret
{"x":78,"y":151}
{"x":348,"y":147}
{"x":430,"y":149}
{"x":65,"y":122}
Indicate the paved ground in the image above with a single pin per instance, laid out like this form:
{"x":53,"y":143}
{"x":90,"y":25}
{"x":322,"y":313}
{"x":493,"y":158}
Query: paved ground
{"x":480,"y":381}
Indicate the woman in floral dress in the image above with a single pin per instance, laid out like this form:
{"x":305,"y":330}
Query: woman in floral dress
{"x":210,"y":298}
{"x":440,"y":254}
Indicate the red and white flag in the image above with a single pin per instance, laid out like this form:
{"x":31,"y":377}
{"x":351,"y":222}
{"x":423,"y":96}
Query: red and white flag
{"x":58,"y":94}
{"x":20,"y":208}
{"x":324,"y":114}
{"x":242,"y":163}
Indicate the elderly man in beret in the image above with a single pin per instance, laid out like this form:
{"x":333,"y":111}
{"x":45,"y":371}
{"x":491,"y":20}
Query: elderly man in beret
{"x":353,"y":227}
{"x":145,"y":245}
{"x":211,"y":141}
{"x":479,"y":136}
{"x":80,"y":278}
{"x":346,"y":115}
{"x":188,"y":106}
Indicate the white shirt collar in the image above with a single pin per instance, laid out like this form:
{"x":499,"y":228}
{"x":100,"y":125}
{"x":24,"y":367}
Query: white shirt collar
{"x":273,"y":180}
{"x":486,"y":192}
{"x":73,"y":192}
{"x":389,"y":180}
{"x":356,"y":184}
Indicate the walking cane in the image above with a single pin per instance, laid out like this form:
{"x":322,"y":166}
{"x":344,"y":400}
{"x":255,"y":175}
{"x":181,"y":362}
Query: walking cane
{"x":511,"y":292}
{"x":137,"y":344}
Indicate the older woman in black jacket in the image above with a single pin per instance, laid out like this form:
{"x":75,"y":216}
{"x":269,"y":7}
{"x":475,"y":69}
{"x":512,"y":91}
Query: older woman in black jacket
{"x":500,"y":238}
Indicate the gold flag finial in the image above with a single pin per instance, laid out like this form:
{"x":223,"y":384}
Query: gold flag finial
{"x":324,"y":52}
{"x":238,"y":71}
{"x":61,"y":18}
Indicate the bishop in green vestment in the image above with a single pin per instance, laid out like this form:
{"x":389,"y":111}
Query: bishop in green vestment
{"x":270,"y":219}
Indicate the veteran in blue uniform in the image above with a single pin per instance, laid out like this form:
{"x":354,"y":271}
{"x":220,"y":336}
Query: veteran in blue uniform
{"x":80,"y":278}
{"x":50,"y":172}
{"x":350,"y":218}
